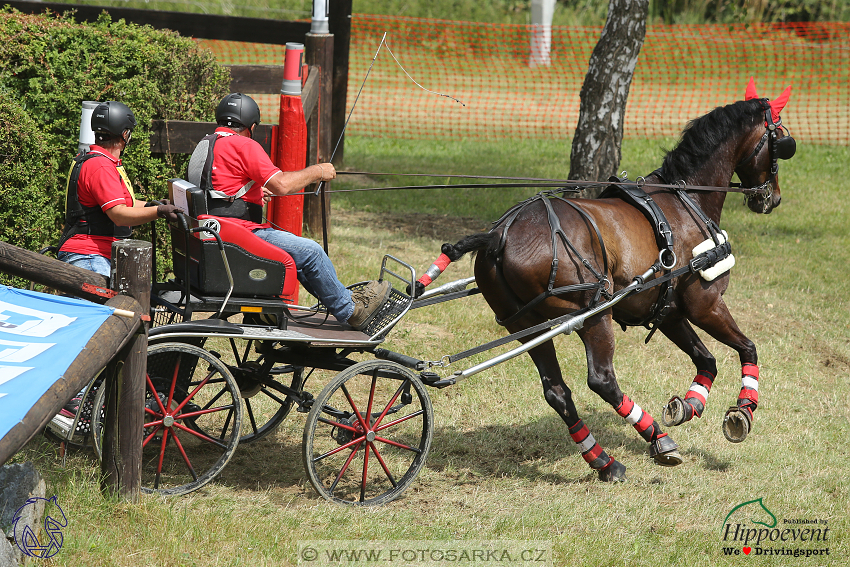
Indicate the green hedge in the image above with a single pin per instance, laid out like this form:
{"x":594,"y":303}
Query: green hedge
{"x":49,"y":64}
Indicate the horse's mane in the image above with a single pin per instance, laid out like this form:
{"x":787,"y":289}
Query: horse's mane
{"x":703,"y":136}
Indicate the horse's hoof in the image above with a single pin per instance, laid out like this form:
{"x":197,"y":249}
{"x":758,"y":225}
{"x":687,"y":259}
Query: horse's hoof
{"x":614,"y":472}
{"x":736,"y":424}
{"x":674,"y":412}
{"x":665,"y":452}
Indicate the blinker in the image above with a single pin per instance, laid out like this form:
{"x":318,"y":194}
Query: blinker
{"x":785,"y":147}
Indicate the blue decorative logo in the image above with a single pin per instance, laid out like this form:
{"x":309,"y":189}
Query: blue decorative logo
{"x":27,"y":539}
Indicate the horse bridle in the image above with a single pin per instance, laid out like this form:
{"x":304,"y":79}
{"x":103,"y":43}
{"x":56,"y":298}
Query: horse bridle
{"x":779,"y":148}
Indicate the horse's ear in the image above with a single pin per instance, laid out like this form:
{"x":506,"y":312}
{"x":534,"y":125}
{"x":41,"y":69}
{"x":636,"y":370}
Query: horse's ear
{"x":777,"y":105}
{"x":751,"y":90}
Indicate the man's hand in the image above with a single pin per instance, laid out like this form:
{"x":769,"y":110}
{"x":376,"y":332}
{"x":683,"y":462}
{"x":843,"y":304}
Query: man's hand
{"x":168,"y":212}
{"x":328,"y":171}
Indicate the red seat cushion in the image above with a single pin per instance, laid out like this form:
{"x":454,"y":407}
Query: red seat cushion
{"x":237,"y":235}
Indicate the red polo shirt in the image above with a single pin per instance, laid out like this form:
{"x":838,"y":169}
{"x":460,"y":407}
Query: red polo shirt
{"x":238,"y":160}
{"x":100,"y":185}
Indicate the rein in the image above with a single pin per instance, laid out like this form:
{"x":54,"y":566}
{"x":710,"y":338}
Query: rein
{"x":565,"y":185}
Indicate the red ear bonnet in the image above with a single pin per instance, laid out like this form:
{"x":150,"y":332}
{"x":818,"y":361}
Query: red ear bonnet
{"x":777,"y":105}
{"x":751,"y":90}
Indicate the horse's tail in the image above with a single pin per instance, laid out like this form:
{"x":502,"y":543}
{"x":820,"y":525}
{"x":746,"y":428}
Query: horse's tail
{"x":454,"y":252}
{"x":472,"y":243}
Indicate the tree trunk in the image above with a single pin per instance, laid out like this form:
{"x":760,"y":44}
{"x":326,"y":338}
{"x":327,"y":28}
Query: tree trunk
{"x":595,"y":152}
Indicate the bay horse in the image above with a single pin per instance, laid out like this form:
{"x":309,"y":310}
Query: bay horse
{"x":583,"y":249}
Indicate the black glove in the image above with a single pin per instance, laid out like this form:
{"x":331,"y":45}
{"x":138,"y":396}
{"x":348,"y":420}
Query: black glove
{"x":158,"y":203}
{"x":168,"y":212}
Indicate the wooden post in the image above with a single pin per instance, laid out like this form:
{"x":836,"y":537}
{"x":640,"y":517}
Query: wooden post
{"x":318,"y":50}
{"x":122,"y":437}
{"x":339,"y":22}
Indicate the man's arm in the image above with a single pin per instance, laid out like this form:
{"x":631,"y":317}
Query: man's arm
{"x":139,"y":213}
{"x":286,"y":182}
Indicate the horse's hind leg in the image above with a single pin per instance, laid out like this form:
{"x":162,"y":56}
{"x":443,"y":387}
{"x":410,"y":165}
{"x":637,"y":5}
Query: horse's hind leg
{"x":598,"y":338}
{"x":677,"y":411}
{"x":560,"y":398}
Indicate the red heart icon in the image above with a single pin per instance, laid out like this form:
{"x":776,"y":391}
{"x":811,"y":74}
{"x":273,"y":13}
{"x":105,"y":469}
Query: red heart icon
{"x":747,"y":550}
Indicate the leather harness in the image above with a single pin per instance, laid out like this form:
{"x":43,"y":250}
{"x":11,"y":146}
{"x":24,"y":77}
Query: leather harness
{"x":638,"y":198}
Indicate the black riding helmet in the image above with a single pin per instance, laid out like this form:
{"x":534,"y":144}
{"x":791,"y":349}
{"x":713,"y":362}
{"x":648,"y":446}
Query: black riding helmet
{"x":237,"y":109}
{"x":112,"y":118}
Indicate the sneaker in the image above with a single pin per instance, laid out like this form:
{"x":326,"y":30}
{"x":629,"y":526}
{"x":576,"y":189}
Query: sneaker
{"x":367,"y":302}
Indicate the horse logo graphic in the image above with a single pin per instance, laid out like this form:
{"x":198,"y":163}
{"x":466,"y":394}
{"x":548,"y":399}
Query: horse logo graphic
{"x":27,"y":540}
{"x":755,"y":510}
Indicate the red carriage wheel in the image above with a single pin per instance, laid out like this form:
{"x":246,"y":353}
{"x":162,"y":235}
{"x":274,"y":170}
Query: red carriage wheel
{"x":368,"y":434}
{"x":193,"y":416}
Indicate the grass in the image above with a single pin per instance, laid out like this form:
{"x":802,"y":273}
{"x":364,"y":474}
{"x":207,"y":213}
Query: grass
{"x":502,"y":466}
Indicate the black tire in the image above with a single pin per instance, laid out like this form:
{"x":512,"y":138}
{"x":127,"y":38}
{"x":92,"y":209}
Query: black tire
{"x":398,"y":432}
{"x":97,"y":422}
{"x":185,"y":452}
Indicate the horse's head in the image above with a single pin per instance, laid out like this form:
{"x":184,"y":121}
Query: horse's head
{"x":759,"y":167}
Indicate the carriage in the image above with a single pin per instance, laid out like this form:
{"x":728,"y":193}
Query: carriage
{"x":232,"y":374}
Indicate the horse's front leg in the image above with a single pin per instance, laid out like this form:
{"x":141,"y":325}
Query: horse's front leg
{"x":718,"y":322}
{"x":677,"y":411}
{"x":598,"y":338}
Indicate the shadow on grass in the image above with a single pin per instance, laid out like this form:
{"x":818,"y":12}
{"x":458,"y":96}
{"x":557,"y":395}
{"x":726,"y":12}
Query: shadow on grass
{"x":528,"y":451}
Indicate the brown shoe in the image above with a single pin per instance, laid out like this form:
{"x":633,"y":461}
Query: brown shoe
{"x":367,"y":302}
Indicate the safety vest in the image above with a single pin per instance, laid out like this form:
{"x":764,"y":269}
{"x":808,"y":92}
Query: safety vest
{"x":91,"y":221}
{"x":219,"y":204}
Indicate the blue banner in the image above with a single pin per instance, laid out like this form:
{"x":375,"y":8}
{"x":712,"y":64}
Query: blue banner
{"x":40,"y":336}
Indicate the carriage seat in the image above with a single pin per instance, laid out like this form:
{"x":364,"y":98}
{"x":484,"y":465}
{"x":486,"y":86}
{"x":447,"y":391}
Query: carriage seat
{"x":259,"y":269}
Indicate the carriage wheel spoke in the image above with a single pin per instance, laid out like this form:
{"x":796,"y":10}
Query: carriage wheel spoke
{"x":365,"y":472}
{"x":399,"y":420}
{"x":399,"y":445}
{"x":354,"y":407}
{"x":215,"y":398}
{"x":173,"y":381}
{"x":391,"y":402}
{"x":226,"y":423}
{"x":371,"y":396}
{"x":344,"y":468}
{"x":152,"y":435}
{"x":199,"y":435}
{"x":161,"y":457}
{"x":337,"y":424}
{"x":340,"y":448}
{"x":155,"y":396}
{"x":185,"y":456}
{"x":195,"y":391}
{"x":264,"y":390}
{"x":251,"y":415}
{"x":383,"y":464}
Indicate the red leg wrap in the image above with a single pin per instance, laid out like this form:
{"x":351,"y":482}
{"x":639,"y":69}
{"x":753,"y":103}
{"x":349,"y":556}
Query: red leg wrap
{"x":749,"y":395}
{"x":591,"y":451}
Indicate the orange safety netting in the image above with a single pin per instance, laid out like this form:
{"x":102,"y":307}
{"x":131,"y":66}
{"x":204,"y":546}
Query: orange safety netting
{"x":682,"y":73}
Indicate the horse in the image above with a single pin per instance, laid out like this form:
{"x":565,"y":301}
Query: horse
{"x":549,"y":257}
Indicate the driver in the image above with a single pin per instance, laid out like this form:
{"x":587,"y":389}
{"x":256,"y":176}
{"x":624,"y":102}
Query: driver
{"x":100,"y":206}
{"x":238,"y":175}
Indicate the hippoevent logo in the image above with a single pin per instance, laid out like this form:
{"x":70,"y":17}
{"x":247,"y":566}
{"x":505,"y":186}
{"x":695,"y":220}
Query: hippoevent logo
{"x":750,"y":528}
{"x":26,"y":537}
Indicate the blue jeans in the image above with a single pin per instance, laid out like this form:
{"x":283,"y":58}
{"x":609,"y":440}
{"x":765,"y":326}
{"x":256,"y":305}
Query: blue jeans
{"x":92,"y":262}
{"x":315,"y":271}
